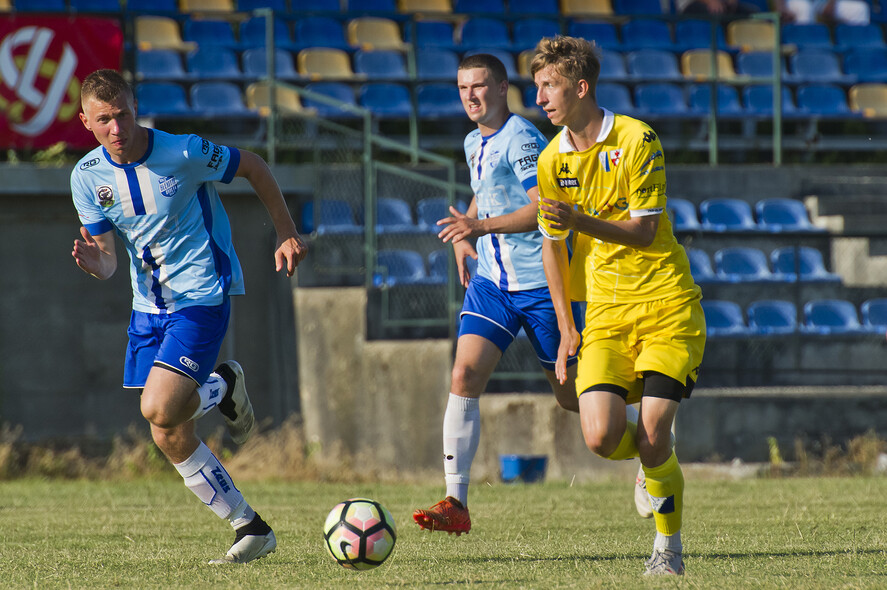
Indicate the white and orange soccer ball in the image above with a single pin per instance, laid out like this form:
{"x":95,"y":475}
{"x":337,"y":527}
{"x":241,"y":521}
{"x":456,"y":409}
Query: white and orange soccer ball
{"x":359,"y":533}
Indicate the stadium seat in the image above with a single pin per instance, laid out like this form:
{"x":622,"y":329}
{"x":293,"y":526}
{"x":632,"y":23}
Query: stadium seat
{"x":394,"y":216}
{"x":380,"y":65}
{"x":869,"y":100}
{"x":255,"y":64}
{"x":874,"y":315}
{"x":696,"y":34}
{"x":546,"y":7}
{"x":218,"y":99}
{"x":252,"y":34}
{"x":642,"y":33}
{"x":375,"y":33}
{"x":783,"y":215}
{"x":526,"y":32}
{"x":637,"y":7}
{"x":162,"y":99}
{"x":790,"y":259}
{"x":615,"y":97}
{"x":771,"y":316}
{"x":759,"y":64}
{"x":424,"y":6}
{"x":812,"y":36}
{"x":436,"y":64}
{"x":250,"y":5}
{"x":213,"y":63}
{"x":723,"y":214}
{"x":700,"y":266}
{"x":849,"y":37}
{"x":96,"y":6}
{"x":484,"y":32}
{"x":386,"y":99}
{"x":683,"y":214}
{"x":723,"y":318}
{"x":333,"y":216}
{"x":750,"y":35}
{"x":319,"y":31}
{"x":585,"y":8}
{"x":339,"y":91}
{"x":867,"y":64}
{"x":479,"y":6}
{"x":740,"y":264}
{"x":653,"y":64}
{"x":188,"y":6}
{"x":430,"y":34}
{"x":364,"y":6}
{"x":612,"y":66}
{"x":438,"y":266}
{"x":159,"y":32}
{"x":324,"y":63}
{"x":399,"y":267}
{"x":604,"y":34}
{"x":165,"y":7}
{"x":41,"y":6}
{"x":506,"y":57}
{"x":516,"y":104}
{"x":660,"y":99}
{"x":825,"y":100}
{"x":209,"y":32}
{"x":696,"y":64}
{"x":818,"y":65}
{"x":432,"y":209}
{"x":258,"y":98}
{"x":439,"y":101}
{"x":699,"y":100}
{"x":830,"y":316}
{"x":301,"y":6}
{"x":758,"y":99}
{"x":159,"y":64}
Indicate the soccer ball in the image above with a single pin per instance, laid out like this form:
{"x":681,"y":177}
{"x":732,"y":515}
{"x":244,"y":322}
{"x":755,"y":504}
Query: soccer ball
{"x":359,"y":533}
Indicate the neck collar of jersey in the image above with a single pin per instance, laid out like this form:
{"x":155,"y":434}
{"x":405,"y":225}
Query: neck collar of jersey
{"x":565,"y":145}
{"x":496,"y":132}
{"x":140,"y":160}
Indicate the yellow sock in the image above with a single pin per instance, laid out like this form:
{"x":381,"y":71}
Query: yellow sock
{"x":665,"y":484}
{"x":628,"y":447}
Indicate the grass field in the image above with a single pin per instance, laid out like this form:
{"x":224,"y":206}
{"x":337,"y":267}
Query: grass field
{"x":151,"y":533}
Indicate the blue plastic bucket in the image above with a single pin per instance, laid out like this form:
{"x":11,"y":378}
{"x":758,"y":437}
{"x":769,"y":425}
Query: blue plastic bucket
{"x":523,"y":468}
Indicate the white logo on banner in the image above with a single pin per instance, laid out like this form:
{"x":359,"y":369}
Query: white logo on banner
{"x":23,"y":81}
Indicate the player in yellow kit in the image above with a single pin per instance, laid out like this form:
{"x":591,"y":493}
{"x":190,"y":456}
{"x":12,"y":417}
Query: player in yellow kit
{"x":603,"y":176}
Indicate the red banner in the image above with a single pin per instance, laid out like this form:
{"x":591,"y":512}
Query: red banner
{"x":43,"y":61}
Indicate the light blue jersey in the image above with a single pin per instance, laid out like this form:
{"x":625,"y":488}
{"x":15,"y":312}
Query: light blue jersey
{"x":503,"y":169}
{"x":169,"y":215}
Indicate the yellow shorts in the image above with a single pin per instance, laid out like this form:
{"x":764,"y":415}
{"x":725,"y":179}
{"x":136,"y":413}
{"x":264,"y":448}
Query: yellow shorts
{"x":621,"y":341}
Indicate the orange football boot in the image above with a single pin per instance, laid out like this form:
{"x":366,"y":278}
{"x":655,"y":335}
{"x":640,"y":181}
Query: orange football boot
{"x":448,"y":515}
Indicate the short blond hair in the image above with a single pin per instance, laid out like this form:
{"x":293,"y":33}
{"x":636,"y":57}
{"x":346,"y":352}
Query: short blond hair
{"x":573,"y":58}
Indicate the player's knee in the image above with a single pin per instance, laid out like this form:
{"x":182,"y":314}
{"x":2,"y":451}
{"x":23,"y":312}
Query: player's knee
{"x":157,"y":413}
{"x":601,"y":442}
{"x":465,"y":379}
{"x":653,"y":449}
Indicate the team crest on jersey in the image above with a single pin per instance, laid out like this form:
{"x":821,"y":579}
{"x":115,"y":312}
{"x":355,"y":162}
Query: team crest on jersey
{"x":105,"y":195}
{"x":609,"y":160}
{"x":493,"y":159}
{"x":168,"y":186}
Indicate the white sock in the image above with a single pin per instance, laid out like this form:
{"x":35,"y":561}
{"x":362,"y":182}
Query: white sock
{"x":211,"y":393}
{"x":670,"y":542}
{"x":205,"y":476}
{"x":461,"y":435}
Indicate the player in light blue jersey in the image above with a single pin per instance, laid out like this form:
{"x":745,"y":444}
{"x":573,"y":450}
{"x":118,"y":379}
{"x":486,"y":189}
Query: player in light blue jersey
{"x":156,"y":192}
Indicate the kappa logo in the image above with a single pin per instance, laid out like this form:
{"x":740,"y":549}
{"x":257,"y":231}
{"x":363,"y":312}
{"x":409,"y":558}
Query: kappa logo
{"x":565,"y":169}
{"x":89,"y":164}
{"x":649,"y":137}
{"x":105,"y":195}
{"x":168,"y":186}
{"x":34,"y":110}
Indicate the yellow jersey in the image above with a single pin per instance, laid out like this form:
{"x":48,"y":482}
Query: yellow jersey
{"x":619,"y":177}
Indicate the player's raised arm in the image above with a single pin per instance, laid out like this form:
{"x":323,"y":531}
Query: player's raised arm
{"x":96,"y":255}
{"x":290,"y":249}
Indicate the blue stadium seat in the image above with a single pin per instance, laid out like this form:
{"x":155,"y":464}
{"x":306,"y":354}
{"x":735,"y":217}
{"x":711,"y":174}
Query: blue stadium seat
{"x":41,"y":6}
{"x":530,"y":100}
{"x":874,"y":315}
{"x":818,"y":65}
{"x":740,"y":264}
{"x":825,"y":100}
{"x":758,"y":99}
{"x":722,"y":214}
{"x":612,"y":66}
{"x":699,"y":100}
{"x":604,"y":34}
{"x":430,"y":34}
{"x":831,"y":316}
{"x":696,"y":34}
{"x":439,"y":101}
{"x":162,"y":99}
{"x":252,"y":33}
{"x":96,"y":6}
{"x":209,"y":32}
{"x":848,"y":37}
{"x":255,"y":64}
{"x":337,"y":90}
{"x":683,"y":214}
{"x":506,"y":57}
{"x":723,"y":318}
{"x":250,"y":5}
{"x":637,"y":7}
{"x":660,"y":99}
{"x":759,"y":64}
{"x":479,"y":6}
{"x":526,"y":32}
{"x":481,"y":31}
{"x":213,"y":63}
{"x":867,"y":64}
{"x":358,"y":6}
{"x":812,"y":36}
{"x":399,"y":267}
{"x":386,"y":99}
{"x":787,"y":260}
{"x":334,"y":216}
{"x":331,"y":6}
{"x":163,"y":7}
{"x":615,"y":97}
{"x":771,"y":316}
{"x":432,"y":209}
{"x":700,"y":266}
{"x":547,"y":7}
{"x":160,"y":64}
{"x":436,"y":64}
{"x":784,"y":215}
{"x":380,"y":65}
{"x":394,"y":216}
{"x":653,"y":64}
{"x":218,"y":99}
{"x":642,"y":33}
{"x":319,"y":31}
{"x":438,"y":266}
